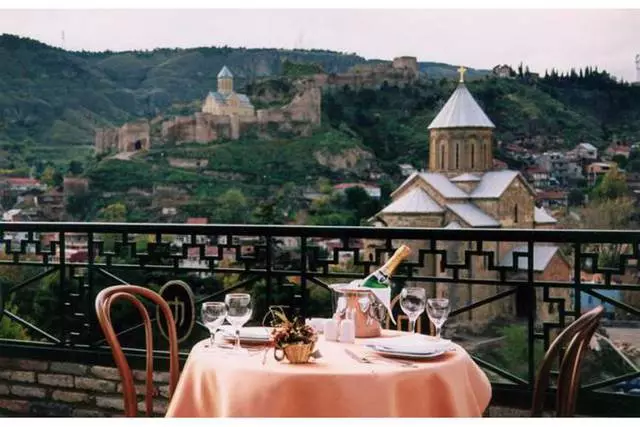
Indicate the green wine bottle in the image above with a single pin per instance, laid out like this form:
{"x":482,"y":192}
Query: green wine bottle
{"x":380,"y":277}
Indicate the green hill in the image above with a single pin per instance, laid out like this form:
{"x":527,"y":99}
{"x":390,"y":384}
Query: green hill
{"x":51,"y":100}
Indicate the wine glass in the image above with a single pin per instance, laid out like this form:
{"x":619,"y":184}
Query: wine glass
{"x":412,"y":302}
{"x":213,"y":315}
{"x":238,"y":313}
{"x":438,"y":311}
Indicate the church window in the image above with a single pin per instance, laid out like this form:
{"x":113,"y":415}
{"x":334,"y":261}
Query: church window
{"x":515,"y":213}
{"x":473,"y":156}
{"x":457,"y":155}
{"x":442,"y":156}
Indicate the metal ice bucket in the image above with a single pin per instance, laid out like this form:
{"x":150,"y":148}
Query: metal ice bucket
{"x":369,"y":312}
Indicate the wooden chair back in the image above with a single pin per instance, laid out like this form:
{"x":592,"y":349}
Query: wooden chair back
{"x":104,"y":301}
{"x":402,"y":317}
{"x":574,"y":340}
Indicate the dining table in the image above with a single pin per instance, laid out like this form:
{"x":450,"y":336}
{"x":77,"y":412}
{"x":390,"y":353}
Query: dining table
{"x":348,"y":380}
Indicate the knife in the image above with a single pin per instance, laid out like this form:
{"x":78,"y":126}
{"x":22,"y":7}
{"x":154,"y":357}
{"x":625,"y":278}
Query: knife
{"x":355,"y":357}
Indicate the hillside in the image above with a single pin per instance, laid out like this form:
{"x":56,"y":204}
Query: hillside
{"x":51,"y":99}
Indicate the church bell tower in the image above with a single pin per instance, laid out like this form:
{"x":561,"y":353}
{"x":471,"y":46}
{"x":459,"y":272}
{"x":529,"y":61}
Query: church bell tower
{"x":461,"y":135}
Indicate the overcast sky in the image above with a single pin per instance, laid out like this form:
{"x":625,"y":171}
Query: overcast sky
{"x":542,"y":39}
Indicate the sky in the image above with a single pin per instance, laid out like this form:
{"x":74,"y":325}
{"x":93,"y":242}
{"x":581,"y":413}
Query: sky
{"x":542,"y":39}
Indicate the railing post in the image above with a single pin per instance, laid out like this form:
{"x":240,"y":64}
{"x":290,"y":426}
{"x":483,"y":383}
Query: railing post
{"x":62,"y":288}
{"x":531,"y":314}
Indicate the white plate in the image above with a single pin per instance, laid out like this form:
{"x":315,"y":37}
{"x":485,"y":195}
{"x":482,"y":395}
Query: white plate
{"x":402,"y":355}
{"x":249,"y":335}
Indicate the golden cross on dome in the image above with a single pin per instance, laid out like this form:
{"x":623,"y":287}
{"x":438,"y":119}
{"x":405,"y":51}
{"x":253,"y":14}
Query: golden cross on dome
{"x":462,"y":70}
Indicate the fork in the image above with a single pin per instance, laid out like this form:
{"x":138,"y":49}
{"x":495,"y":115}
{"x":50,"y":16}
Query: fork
{"x":364,"y":359}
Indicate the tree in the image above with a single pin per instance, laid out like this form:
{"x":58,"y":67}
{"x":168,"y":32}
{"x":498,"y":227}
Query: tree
{"x":232,"y":208}
{"x":620,"y":160}
{"x":10,"y":329}
{"x":75,"y":167}
{"x":116,"y":212}
{"x":47,"y":176}
{"x":612,"y":186}
{"x":576,"y":197}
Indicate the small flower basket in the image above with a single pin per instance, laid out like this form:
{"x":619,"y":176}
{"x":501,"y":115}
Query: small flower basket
{"x":293,"y":340}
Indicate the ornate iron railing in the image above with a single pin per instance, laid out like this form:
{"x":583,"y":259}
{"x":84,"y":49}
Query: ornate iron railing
{"x":50,"y":274}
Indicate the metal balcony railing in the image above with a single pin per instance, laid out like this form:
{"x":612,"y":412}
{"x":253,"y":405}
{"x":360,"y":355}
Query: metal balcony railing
{"x":507,"y":305}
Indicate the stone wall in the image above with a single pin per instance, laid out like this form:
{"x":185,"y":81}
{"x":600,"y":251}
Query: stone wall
{"x":43,"y":388}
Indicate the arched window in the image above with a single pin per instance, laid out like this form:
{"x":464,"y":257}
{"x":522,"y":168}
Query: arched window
{"x":473,"y":155}
{"x":442,"y":156}
{"x":457,"y":155}
{"x":515,"y":213}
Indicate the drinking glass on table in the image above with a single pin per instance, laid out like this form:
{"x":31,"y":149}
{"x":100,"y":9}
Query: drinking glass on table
{"x":438,"y":311}
{"x":213,"y":315}
{"x":412,"y":303}
{"x":238,"y":313}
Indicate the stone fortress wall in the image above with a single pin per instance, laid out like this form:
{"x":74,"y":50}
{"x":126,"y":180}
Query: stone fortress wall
{"x":300,"y":116}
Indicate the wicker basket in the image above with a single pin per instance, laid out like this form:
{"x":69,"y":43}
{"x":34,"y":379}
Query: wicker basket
{"x":298,"y":353}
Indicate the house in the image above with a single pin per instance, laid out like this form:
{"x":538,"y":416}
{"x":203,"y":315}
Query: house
{"x":503,"y":71}
{"x":618,"y":149}
{"x":537,"y":176}
{"x":556,"y":163}
{"x":195,"y":259}
{"x":24,"y":184}
{"x":186,"y":239}
{"x":553,"y":198}
{"x":597,"y":169}
{"x":499,"y":165}
{"x":586,"y":151}
{"x":549,"y":265}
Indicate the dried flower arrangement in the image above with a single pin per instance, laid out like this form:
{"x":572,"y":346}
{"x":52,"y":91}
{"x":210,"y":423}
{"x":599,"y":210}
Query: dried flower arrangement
{"x":293,"y":339}
{"x":286,"y":332}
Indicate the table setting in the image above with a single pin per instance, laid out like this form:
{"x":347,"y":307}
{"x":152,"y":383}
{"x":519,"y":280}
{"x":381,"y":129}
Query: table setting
{"x":343,"y":366}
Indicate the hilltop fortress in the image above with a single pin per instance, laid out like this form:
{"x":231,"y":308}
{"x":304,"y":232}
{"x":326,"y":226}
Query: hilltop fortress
{"x":227,"y":114}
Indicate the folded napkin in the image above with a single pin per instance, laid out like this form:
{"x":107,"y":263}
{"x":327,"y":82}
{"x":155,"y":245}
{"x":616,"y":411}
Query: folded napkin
{"x":411,"y":344}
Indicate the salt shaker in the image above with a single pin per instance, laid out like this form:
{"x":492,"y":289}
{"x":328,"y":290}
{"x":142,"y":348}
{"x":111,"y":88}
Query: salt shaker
{"x":331,"y":329}
{"x":348,"y":328}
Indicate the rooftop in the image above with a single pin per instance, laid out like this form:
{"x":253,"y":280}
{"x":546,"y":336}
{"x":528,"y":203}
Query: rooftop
{"x":461,"y":111}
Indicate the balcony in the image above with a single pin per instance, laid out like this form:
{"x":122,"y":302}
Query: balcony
{"x":507,"y":305}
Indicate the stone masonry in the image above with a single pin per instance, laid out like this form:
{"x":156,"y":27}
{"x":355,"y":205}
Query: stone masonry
{"x":42,"y":388}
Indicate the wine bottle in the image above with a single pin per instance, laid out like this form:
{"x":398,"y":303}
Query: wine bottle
{"x":380,"y":277}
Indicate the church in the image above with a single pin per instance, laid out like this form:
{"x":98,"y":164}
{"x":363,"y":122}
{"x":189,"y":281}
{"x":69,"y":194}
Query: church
{"x":461,"y":190}
{"x":225,"y":101}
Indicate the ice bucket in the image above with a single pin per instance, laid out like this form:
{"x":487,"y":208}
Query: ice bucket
{"x":369,"y":312}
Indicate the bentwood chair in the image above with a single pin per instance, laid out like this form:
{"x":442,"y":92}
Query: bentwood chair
{"x":574,"y":340}
{"x":104,"y":301}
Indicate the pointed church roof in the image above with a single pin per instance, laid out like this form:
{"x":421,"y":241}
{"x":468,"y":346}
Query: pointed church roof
{"x":461,"y":111}
{"x":415,"y":200}
{"x":225,"y":72}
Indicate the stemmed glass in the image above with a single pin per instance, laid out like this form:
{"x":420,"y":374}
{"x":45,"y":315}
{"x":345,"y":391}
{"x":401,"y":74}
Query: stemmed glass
{"x":438,"y":311}
{"x":213,"y":315}
{"x":239,"y":312}
{"x":412,"y":302}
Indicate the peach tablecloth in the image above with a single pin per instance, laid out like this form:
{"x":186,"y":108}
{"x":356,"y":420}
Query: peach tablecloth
{"x":213,"y":384}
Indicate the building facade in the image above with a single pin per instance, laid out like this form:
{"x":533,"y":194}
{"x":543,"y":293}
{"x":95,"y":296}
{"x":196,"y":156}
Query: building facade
{"x":463,"y":190}
{"x":225,"y":101}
